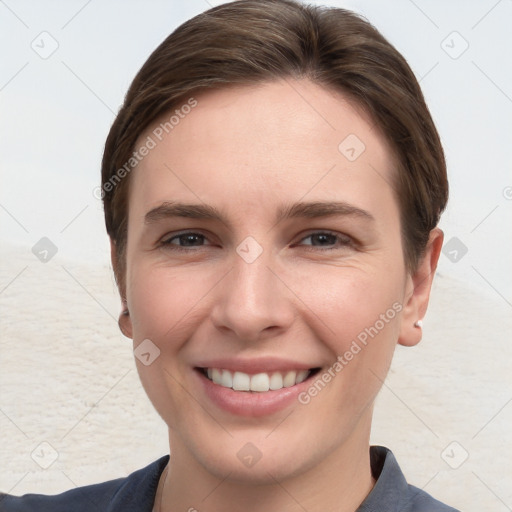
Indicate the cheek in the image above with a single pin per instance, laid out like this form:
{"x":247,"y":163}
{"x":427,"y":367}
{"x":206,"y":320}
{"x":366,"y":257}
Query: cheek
{"x":357,"y":315}
{"x":348,"y":300}
{"x":358,"y":318}
{"x":164,"y":304}
{"x":161,"y":299}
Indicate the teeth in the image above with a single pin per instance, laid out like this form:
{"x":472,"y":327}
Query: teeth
{"x":276,"y":381}
{"x":227,"y":379}
{"x":260,"y":382}
{"x":241,"y":381}
{"x":216,"y":376}
{"x":301,"y":376}
{"x":289,"y":379}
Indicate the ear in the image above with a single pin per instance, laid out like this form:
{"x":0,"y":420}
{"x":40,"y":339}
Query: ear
{"x":418,"y":288}
{"x":124,"y":322}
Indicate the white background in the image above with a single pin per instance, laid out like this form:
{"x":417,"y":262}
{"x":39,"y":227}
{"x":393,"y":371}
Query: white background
{"x":55,"y":115}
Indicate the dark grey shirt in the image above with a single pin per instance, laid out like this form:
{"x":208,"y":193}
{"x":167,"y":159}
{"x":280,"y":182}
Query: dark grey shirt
{"x":136,"y":492}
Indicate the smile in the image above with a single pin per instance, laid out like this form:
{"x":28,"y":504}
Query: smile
{"x":260,"y":382}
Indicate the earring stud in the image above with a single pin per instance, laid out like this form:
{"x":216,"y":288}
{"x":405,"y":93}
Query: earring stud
{"x":418,"y":324}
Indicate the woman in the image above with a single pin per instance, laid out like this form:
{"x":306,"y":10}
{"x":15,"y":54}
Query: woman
{"x":272,"y":188}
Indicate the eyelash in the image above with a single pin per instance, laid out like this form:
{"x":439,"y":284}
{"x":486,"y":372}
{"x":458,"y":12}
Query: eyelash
{"x":343,"y":240}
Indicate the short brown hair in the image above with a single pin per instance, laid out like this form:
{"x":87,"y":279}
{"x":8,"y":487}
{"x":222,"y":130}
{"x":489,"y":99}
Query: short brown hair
{"x":255,"y":41}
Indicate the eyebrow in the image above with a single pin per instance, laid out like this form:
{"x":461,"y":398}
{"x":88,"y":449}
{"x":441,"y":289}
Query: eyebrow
{"x":308,"y":210}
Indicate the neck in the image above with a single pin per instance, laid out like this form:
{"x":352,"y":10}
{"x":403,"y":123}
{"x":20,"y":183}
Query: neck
{"x":340,"y":482}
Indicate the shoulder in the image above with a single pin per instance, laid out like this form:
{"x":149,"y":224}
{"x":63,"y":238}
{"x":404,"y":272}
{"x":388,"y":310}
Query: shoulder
{"x":80,"y":499}
{"x":391,"y":490}
{"x":135,"y":492}
{"x":419,"y":501}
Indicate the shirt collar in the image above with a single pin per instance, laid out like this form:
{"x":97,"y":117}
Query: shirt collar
{"x":390,"y":487}
{"x":137,"y":494}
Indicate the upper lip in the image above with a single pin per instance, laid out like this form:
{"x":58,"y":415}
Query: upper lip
{"x":256,"y":365}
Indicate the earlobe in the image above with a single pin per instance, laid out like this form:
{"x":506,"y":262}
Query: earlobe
{"x":417,"y":291}
{"x":124,"y":322}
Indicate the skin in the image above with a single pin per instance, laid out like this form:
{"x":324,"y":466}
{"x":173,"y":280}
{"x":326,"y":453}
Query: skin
{"x":248,"y":151}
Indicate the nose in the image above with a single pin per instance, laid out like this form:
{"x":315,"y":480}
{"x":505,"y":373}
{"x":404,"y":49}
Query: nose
{"x":254,"y":303}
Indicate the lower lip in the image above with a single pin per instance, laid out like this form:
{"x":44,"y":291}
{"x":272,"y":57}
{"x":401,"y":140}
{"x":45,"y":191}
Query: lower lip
{"x":251,"y":403}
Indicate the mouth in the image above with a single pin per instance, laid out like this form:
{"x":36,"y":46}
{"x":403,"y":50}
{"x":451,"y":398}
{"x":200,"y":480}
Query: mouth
{"x":262,"y":382}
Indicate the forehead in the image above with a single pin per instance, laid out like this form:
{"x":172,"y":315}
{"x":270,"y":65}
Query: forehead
{"x":252,"y":144}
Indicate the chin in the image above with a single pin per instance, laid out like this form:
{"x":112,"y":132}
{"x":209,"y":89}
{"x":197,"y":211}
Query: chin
{"x":266,"y":471}
{"x":257,"y":458}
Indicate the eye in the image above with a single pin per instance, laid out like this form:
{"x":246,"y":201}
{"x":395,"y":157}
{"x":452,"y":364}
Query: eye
{"x":183,"y":240}
{"x":323,"y":240}
{"x":327,"y":240}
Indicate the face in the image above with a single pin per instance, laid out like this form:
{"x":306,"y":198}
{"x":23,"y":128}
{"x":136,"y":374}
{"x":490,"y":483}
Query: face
{"x":264,"y":248}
